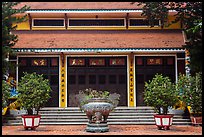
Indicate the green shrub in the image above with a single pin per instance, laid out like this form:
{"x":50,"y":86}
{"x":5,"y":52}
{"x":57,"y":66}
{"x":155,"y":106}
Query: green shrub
{"x":34,"y":92}
{"x":190,"y":88}
{"x":160,"y":93}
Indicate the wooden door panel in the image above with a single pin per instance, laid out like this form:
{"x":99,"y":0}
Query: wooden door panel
{"x":102,"y":78}
{"x":145,"y":72}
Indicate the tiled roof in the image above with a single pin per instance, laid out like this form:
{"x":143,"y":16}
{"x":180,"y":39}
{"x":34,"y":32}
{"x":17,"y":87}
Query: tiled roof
{"x":100,"y":39}
{"x":79,"y":5}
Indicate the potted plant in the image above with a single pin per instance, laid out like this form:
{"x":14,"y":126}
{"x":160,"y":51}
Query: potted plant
{"x":161,"y":94}
{"x":97,"y":105}
{"x":191,"y":93}
{"x":33,"y":93}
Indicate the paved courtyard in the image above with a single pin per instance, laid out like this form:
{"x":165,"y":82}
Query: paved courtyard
{"x":113,"y":130}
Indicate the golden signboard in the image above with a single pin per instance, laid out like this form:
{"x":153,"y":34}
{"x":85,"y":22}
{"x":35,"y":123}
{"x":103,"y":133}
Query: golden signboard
{"x":39,"y":62}
{"x":131,"y":81}
{"x":154,"y":61}
{"x":62,"y":83}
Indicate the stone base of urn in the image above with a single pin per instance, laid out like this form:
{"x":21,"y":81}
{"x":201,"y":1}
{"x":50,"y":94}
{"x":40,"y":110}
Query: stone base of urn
{"x":92,"y":127}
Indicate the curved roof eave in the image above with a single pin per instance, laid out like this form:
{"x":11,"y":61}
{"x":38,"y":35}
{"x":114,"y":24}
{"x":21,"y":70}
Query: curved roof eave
{"x":96,"y":50}
{"x":87,"y":11}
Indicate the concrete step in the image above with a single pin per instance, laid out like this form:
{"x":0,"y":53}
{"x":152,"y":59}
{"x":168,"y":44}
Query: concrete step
{"x":73,"y":115}
{"x":85,"y":117}
{"x":117,"y":119}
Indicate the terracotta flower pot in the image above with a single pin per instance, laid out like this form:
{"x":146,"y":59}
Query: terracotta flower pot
{"x":163,"y":121}
{"x":196,"y":120}
{"x":31,"y":121}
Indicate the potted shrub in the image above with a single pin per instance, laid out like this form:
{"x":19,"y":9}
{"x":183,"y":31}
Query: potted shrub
{"x":97,"y":105}
{"x":161,"y":94}
{"x":191,"y":93}
{"x":33,"y":93}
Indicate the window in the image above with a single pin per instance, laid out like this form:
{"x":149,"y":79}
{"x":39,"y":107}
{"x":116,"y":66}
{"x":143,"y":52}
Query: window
{"x":96,"y":22}
{"x":142,"y":22}
{"x":48,"y":23}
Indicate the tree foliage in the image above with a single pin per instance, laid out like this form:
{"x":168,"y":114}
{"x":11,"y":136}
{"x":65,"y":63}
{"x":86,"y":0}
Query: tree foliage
{"x":190,"y":88}
{"x":190,"y":14}
{"x":6,"y":88}
{"x":8,"y":38}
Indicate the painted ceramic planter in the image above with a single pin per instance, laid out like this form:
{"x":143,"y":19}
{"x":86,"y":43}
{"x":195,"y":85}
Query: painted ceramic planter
{"x":97,"y":111}
{"x":31,"y":121}
{"x":163,"y":121}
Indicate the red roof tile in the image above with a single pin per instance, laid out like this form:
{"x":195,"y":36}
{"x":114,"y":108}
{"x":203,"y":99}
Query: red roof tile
{"x":100,"y":39}
{"x":79,"y":5}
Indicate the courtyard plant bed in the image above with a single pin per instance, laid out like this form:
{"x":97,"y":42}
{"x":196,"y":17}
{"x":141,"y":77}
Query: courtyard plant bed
{"x":34,"y":92}
{"x":161,"y":94}
{"x":97,"y":105}
{"x":191,"y":93}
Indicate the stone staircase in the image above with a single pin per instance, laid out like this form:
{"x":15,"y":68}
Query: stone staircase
{"x":73,"y":116}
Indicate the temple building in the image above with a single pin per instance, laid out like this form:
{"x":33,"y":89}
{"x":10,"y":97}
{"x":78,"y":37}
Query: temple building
{"x":100,"y":45}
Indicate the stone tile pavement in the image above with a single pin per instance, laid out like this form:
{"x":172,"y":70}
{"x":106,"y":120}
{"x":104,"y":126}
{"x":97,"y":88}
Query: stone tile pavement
{"x":113,"y":130}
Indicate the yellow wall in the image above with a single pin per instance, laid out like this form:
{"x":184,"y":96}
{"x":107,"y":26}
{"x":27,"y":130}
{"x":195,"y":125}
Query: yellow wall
{"x":173,"y":26}
{"x":23,"y":25}
{"x":26,"y":26}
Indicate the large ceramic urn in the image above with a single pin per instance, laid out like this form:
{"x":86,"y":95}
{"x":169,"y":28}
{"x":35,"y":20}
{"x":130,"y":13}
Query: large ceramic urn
{"x":97,"y":111}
